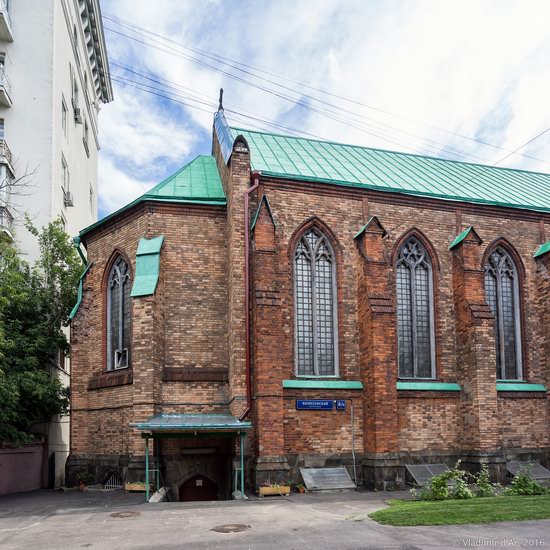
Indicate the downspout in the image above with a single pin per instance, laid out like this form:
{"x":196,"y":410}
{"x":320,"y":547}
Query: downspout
{"x":77,"y":241}
{"x":247,"y":193}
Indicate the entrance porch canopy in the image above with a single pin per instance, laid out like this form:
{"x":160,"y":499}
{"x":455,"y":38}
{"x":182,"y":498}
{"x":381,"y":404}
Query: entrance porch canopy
{"x":191,"y":426}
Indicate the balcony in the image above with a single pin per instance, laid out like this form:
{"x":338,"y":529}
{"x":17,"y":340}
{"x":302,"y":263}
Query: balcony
{"x":5,"y":88}
{"x":5,"y":155}
{"x":5,"y":22}
{"x":6,"y":222}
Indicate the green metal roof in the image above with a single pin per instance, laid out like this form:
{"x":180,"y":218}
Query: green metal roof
{"x":147,"y":266}
{"x":194,"y":422}
{"x":350,"y":165}
{"x":428,"y":386}
{"x":198,"y":182}
{"x":542,"y":249}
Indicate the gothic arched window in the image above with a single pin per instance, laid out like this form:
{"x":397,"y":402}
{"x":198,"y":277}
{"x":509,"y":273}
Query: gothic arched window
{"x":315,"y":306}
{"x":415,"y":311}
{"x":502,"y":295}
{"x":118,"y":315}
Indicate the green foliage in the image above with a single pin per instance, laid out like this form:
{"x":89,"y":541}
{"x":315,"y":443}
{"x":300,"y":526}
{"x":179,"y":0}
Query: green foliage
{"x":85,"y":477}
{"x":524,"y":484}
{"x":484,"y":487}
{"x":456,"y":512}
{"x":447,"y":485}
{"x":35,"y":302}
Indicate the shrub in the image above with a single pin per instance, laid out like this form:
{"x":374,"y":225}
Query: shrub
{"x":447,"y":485}
{"x":484,"y":487}
{"x":524,"y":484}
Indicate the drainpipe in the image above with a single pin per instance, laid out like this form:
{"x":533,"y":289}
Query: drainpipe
{"x":247,"y":193}
{"x":77,"y":242}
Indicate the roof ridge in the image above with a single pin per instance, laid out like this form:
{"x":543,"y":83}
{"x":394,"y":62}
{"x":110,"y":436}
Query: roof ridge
{"x":288,"y":136}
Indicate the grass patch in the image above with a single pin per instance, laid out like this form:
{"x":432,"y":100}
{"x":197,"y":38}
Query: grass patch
{"x":455,"y":512}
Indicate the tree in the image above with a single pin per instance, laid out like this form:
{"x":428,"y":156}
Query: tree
{"x":35,"y":302}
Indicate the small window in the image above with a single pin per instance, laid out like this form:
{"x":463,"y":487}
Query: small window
{"x":64,"y":174}
{"x":64,"y":117}
{"x":118,"y":316}
{"x":1,"y":128}
{"x":63,"y":222}
{"x":92,"y":200}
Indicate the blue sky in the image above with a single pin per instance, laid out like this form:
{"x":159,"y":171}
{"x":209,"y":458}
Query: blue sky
{"x":423,"y":76}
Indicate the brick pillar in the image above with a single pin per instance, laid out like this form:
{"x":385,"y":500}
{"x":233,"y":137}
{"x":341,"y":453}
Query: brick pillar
{"x":543,"y":303}
{"x":238,"y":182}
{"x":147,"y":356}
{"x":476,"y":357}
{"x":378,"y":354}
{"x":268,"y":363}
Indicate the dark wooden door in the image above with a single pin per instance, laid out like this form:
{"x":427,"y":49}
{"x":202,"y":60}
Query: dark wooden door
{"x":198,"y":488}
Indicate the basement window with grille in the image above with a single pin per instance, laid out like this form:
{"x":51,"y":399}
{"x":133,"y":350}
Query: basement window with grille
{"x":113,"y":482}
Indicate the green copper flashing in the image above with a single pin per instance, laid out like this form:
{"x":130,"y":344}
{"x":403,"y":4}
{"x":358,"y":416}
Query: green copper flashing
{"x":147,"y":266}
{"x":80,"y":292}
{"x":520,"y":386}
{"x":322,"y":384}
{"x":372,"y":219}
{"x":459,"y":238}
{"x":301,"y":159}
{"x":198,"y":182}
{"x":257,"y":214}
{"x":542,"y":249}
{"x":428,"y":386}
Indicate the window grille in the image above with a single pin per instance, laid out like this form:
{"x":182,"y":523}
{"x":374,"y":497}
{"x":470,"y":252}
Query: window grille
{"x":502,"y":295}
{"x":315,"y":306}
{"x":118,"y":316}
{"x":415,"y":315}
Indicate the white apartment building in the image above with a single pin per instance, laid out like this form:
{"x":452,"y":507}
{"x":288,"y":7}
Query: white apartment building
{"x":54,"y":76}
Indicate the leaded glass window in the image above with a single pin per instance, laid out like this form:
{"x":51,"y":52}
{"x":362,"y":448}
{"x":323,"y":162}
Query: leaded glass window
{"x":118,"y":316}
{"x":502,"y":295}
{"x":315,"y":306}
{"x":415,"y":325}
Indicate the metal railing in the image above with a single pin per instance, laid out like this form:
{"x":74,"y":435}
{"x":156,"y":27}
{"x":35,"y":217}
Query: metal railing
{"x":6,"y":218}
{"x":5,"y":152}
{"x":4,"y":80}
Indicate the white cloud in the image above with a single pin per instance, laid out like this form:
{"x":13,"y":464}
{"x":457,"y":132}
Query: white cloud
{"x":473,"y":68}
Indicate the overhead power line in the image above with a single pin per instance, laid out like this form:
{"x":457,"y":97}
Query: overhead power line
{"x":237,"y":65}
{"x":442,"y":148}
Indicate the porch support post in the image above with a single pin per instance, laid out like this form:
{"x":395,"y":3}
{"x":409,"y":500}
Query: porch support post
{"x":243,"y":435}
{"x":147,"y":469}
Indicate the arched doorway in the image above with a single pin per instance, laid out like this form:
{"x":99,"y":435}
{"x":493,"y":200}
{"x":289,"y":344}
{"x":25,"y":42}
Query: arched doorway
{"x":198,"y":488}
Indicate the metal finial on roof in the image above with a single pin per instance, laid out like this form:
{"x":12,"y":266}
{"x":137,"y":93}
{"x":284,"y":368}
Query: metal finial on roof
{"x":220,"y":106}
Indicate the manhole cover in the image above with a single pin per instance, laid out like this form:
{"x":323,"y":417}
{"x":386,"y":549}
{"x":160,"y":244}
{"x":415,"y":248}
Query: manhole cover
{"x":125,"y":514}
{"x":231,"y":528}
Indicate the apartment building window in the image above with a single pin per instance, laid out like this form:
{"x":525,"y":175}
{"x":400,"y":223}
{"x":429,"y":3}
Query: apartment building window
{"x":85,"y":138}
{"x":92,"y":199}
{"x":64,"y":175}
{"x":1,"y":128}
{"x":64,"y":117}
{"x":63,"y":222}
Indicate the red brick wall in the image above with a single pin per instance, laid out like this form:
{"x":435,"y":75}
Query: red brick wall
{"x":183,"y":324}
{"x":196,"y":320}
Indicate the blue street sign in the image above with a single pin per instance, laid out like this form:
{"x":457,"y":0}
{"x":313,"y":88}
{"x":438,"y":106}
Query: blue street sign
{"x":314,"y":404}
{"x":341,"y":405}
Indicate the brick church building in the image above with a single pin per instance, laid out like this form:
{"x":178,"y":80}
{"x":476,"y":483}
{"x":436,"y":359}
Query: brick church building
{"x":310,"y":303}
